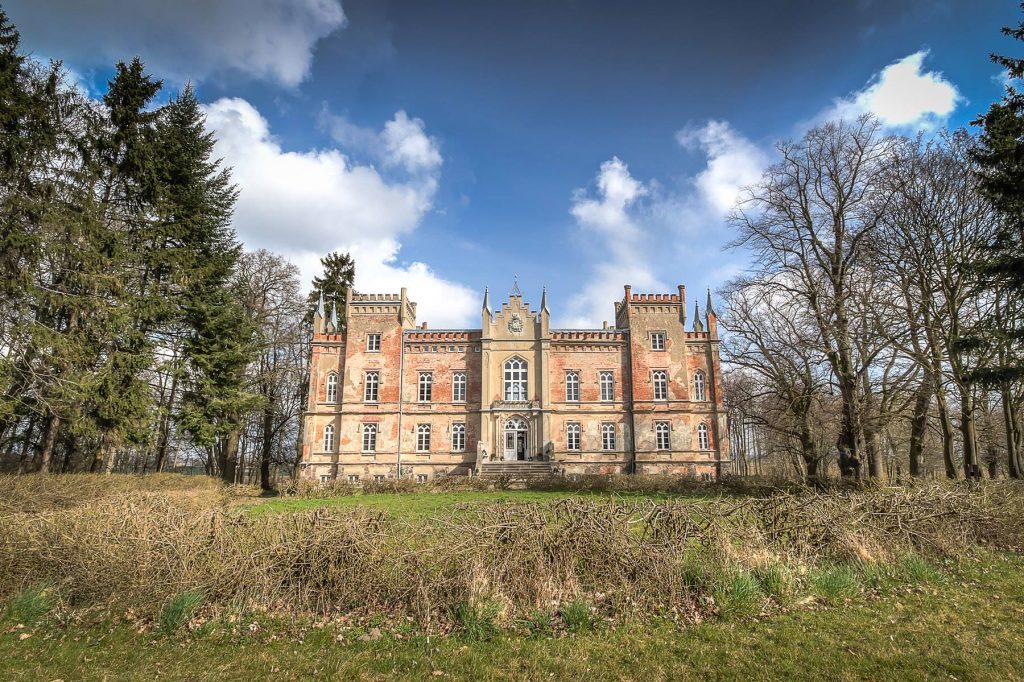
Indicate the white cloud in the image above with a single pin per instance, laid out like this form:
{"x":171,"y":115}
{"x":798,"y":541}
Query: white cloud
{"x":304,"y":204}
{"x":184,"y":39}
{"x":902,"y":94}
{"x":403,"y":143}
{"x":733,"y":162}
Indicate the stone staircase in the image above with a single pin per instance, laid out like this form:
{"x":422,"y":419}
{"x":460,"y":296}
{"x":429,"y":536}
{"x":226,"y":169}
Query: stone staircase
{"x":516,"y":470}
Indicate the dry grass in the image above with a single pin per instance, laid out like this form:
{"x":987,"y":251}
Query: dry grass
{"x":139,"y":549}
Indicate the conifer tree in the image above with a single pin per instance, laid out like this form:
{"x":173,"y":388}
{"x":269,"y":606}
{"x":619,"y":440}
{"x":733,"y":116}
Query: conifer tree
{"x":339,"y":272}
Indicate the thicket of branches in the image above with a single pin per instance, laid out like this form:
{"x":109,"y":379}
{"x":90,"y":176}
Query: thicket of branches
{"x":135,"y":333}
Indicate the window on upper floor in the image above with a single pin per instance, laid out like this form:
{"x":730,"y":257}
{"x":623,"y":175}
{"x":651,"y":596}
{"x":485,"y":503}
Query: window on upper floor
{"x":423,"y":438}
{"x":515,"y":379}
{"x":657,"y":340}
{"x":458,"y":437}
{"x":426,"y":387}
{"x":332,"y":388}
{"x":572,"y":387}
{"x":607,"y":383}
{"x":373,"y":343}
{"x":700,"y":388}
{"x":662,"y":436}
{"x":660,"y":380}
{"x":607,"y":436}
{"x":371,"y":387}
{"x":459,"y":387}
{"x":369,"y":438}
{"x":703,"y":437}
{"x":329,"y":438}
{"x":572,"y":436}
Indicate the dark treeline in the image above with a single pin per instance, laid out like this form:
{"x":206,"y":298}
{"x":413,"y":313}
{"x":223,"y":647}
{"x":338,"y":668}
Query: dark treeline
{"x":135,"y":332}
{"x":880,"y":332}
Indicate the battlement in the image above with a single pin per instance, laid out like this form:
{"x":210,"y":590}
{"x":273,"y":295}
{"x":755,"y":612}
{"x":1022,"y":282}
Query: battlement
{"x":375,"y":298}
{"x":588,"y":335}
{"x":441,"y":335}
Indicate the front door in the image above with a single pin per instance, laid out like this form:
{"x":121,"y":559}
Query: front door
{"x":510,"y":445}
{"x":515,"y":439}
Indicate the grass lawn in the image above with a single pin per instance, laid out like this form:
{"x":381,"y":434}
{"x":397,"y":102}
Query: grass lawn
{"x":964,"y":626}
{"x":417,"y":506}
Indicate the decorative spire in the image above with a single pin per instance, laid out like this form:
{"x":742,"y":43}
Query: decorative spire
{"x":515,"y":287}
{"x":487,"y":302}
{"x":708,"y":310}
{"x":334,"y":316}
{"x":698,"y":326}
{"x":544,"y":301}
{"x":320,"y":310}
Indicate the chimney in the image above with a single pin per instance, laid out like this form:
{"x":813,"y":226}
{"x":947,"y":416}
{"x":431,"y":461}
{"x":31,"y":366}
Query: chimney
{"x":424,"y":325}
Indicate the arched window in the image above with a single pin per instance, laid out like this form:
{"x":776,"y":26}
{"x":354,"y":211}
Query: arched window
{"x":607,"y":436}
{"x":369,"y":437}
{"x":572,"y":387}
{"x":572,"y":436}
{"x":458,"y":437}
{"x":660,"y":379}
{"x":703,"y":440}
{"x":515,"y":379}
{"x":423,"y":438}
{"x":426,"y":387}
{"x":371,"y":387}
{"x":459,"y":387}
{"x":700,"y":390}
{"x":329,"y":438}
{"x":332,"y":388}
{"x":661,"y":436}
{"x":607,"y":382}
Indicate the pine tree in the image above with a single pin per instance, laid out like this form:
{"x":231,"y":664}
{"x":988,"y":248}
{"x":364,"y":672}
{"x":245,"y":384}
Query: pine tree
{"x":339,"y":272}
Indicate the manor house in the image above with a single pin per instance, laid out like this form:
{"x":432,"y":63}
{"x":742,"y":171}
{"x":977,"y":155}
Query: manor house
{"x":389,"y":398}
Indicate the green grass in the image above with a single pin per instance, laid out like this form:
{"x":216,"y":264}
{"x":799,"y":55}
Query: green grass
{"x":424,"y":505}
{"x":179,"y":610}
{"x":28,"y":606}
{"x":966,"y":627}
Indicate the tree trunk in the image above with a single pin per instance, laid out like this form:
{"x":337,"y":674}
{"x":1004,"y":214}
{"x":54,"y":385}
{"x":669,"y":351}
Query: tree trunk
{"x":1012,"y":427}
{"x":268,"y":448}
{"x":968,"y":435}
{"x":919,"y":425}
{"x":229,"y":467}
{"x":947,"y":434}
{"x":49,"y":440}
{"x":26,"y":441}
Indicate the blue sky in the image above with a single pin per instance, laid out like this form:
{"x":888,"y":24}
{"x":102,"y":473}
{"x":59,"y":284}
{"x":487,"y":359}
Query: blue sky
{"x":581,"y":145}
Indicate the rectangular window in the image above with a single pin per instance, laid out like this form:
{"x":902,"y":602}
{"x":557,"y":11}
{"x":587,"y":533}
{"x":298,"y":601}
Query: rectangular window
{"x":369,"y":438}
{"x":378,"y":478}
{"x":373,"y":343}
{"x":657,"y":340}
{"x":458,"y":437}
{"x":421,"y":478}
{"x":459,"y":387}
{"x":607,"y":436}
{"x":353,"y":478}
{"x":325,"y":479}
{"x":371,"y":386}
{"x":607,"y":381}
{"x":572,"y":387}
{"x":661,"y":435}
{"x":426,"y":387}
{"x":660,"y":380}
{"x":572,"y":436}
{"x":423,"y":438}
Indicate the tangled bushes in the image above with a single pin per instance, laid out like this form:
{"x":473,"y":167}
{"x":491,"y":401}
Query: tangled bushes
{"x":678,"y":557}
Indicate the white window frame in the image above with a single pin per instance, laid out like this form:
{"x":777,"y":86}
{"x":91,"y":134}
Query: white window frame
{"x":371,"y":386}
{"x":370,"y":437}
{"x":373,"y":342}
{"x":515,"y":373}
{"x":458,"y":437}
{"x":700,"y":386}
{"x":378,"y":478}
{"x":332,"y":387}
{"x":422,"y":478}
{"x":425,"y":387}
{"x":659,"y":380}
{"x":608,"y":436}
{"x":662,"y":436}
{"x":572,"y":386}
{"x":606,"y":380}
{"x":423,"y":438}
{"x":325,"y":479}
{"x":353,"y":478}
{"x":459,"y":386}
{"x":329,"y":438}
{"x":573,"y":436}
{"x":657,"y":340}
{"x":703,"y":437}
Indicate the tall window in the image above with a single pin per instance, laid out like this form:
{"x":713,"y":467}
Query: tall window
{"x":423,"y":438}
{"x":703,"y":440}
{"x":572,"y":387}
{"x":369,"y":438}
{"x":373,"y":342}
{"x":459,"y":387}
{"x":458,"y":437}
{"x":329,"y":438}
{"x":515,"y":379}
{"x":371,"y":386}
{"x":660,"y":378}
{"x":572,"y":436}
{"x":607,"y":381}
{"x":661,"y":435}
{"x":332,"y":388}
{"x":700,"y":391}
{"x":607,"y":436}
{"x":426,"y":387}
{"x":657,"y":340}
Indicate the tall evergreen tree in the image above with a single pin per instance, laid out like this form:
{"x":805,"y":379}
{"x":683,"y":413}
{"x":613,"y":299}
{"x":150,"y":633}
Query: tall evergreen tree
{"x":339,"y":272}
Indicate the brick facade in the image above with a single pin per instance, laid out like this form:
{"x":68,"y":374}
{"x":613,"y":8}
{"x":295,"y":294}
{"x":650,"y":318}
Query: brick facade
{"x":653,"y":370}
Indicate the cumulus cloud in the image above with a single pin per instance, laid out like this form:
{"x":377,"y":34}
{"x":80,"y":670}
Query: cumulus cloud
{"x":305,"y":203}
{"x":403,"y":143}
{"x":733,"y":162}
{"x":903,"y":94}
{"x":185,"y":39}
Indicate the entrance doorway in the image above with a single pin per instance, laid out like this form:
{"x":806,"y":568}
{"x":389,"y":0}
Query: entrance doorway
{"x":516,"y":433}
